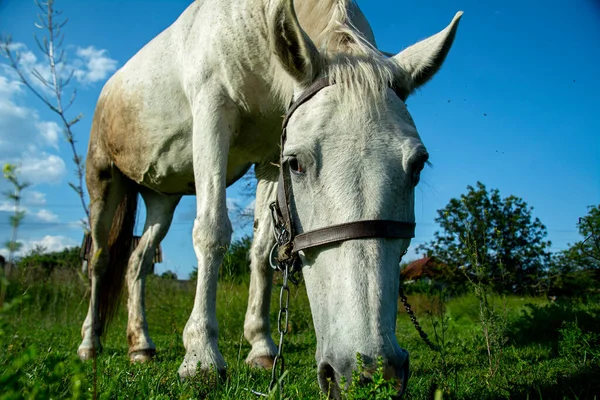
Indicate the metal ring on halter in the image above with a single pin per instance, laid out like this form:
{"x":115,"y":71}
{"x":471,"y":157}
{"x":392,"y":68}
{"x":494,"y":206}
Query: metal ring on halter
{"x":274,"y":219}
{"x":273,"y":257}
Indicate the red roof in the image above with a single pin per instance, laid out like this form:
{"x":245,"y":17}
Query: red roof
{"x":426,"y":266}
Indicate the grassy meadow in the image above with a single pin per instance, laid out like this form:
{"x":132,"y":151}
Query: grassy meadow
{"x":513,"y":347}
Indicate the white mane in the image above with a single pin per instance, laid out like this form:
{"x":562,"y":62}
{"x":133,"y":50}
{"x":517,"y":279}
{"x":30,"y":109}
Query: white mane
{"x":349,"y":56}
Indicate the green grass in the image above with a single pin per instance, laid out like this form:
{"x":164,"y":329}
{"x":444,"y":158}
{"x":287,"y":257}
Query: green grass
{"x":545,"y":357}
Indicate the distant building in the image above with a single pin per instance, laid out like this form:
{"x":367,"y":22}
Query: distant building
{"x":86,"y":250}
{"x":426,"y":268}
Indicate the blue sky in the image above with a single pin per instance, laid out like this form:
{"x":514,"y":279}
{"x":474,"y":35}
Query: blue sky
{"x":515,"y":106}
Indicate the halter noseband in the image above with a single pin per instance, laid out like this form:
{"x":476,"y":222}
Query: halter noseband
{"x":289,"y":242}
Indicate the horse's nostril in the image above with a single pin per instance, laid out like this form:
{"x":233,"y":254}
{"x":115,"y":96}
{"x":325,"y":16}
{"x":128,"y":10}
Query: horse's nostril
{"x":328,"y":381}
{"x":326,"y":373}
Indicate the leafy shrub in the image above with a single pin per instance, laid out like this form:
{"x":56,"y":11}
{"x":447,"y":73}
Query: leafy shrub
{"x":377,"y":388}
{"x":46,"y":262}
{"x":169,"y":275}
{"x":577,"y":345}
{"x":543,"y":323}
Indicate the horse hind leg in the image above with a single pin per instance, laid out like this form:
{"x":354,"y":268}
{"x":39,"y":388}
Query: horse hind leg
{"x":159,"y":214}
{"x":113,"y":200}
{"x":257,"y":326}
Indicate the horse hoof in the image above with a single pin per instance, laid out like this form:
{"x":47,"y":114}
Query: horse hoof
{"x":211,"y":377}
{"x":86,"y":354}
{"x":141,"y":356}
{"x":264,"y":362}
{"x":206,"y":366}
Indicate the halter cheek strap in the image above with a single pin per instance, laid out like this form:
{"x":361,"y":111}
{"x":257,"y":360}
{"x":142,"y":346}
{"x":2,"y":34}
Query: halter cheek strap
{"x":289,"y":241}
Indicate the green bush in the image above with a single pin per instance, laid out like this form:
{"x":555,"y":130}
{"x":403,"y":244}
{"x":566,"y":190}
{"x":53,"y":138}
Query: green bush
{"x":377,"y":388}
{"x":579,"y":346}
{"x":543,"y":323}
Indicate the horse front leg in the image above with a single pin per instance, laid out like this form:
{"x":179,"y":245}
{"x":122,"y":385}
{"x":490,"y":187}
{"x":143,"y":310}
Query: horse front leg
{"x":257,"y":325}
{"x":211,"y":233}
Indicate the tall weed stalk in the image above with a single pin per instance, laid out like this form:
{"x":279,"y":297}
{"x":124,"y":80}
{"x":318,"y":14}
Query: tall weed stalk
{"x":440,"y":323}
{"x":493,"y":319}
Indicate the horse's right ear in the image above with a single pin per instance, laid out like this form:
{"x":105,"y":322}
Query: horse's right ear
{"x":291,"y":45}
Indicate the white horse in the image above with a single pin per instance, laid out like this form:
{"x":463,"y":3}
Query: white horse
{"x":201,"y":103}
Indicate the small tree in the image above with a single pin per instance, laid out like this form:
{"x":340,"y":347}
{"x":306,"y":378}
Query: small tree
{"x":500,"y":233}
{"x":589,"y":249}
{"x":576,"y":270}
{"x":169,"y":275}
{"x":13,"y":245}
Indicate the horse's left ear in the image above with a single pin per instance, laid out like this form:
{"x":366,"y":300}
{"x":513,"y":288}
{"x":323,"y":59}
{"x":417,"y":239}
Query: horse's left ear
{"x":422,"y":60}
{"x":297,"y":54}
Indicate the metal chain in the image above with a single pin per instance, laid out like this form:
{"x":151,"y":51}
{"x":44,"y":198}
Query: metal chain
{"x":288,"y":268}
{"x":282,"y":328}
{"x":413,"y":318}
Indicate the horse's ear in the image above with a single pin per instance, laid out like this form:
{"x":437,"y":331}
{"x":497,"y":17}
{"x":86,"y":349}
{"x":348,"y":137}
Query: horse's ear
{"x":292,"y":46}
{"x":422,"y":60}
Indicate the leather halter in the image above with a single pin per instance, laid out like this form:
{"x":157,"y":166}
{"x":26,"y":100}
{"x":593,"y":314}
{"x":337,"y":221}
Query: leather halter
{"x":289,"y":241}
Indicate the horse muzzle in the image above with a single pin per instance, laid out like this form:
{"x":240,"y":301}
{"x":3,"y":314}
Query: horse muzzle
{"x":333,"y":374}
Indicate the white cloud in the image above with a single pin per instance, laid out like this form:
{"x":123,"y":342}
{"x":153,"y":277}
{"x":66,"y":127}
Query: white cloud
{"x":55,"y":243}
{"x":8,"y":87}
{"x":49,"y":243}
{"x":28,"y":63}
{"x":7,"y":206}
{"x":46,"y":215}
{"x":241,"y":211}
{"x":95,"y":64}
{"x":24,"y":137}
{"x":88,"y":65}
{"x":232,"y":204}
{"x":49,"y":130}
{"x":34,"y":198}
{"x":43,"y":168}
{"x":41,"y":215}
{"x":249,"y":209}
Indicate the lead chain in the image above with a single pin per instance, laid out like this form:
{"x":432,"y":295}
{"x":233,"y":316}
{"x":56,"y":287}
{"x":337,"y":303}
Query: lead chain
{"x":282,"y":327}
{"x":413,"y":319}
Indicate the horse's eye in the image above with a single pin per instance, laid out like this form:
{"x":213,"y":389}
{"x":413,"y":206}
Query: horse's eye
{"x":416,"y":176}
{"x":417,"y":167}
{"x":295,"y":166}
